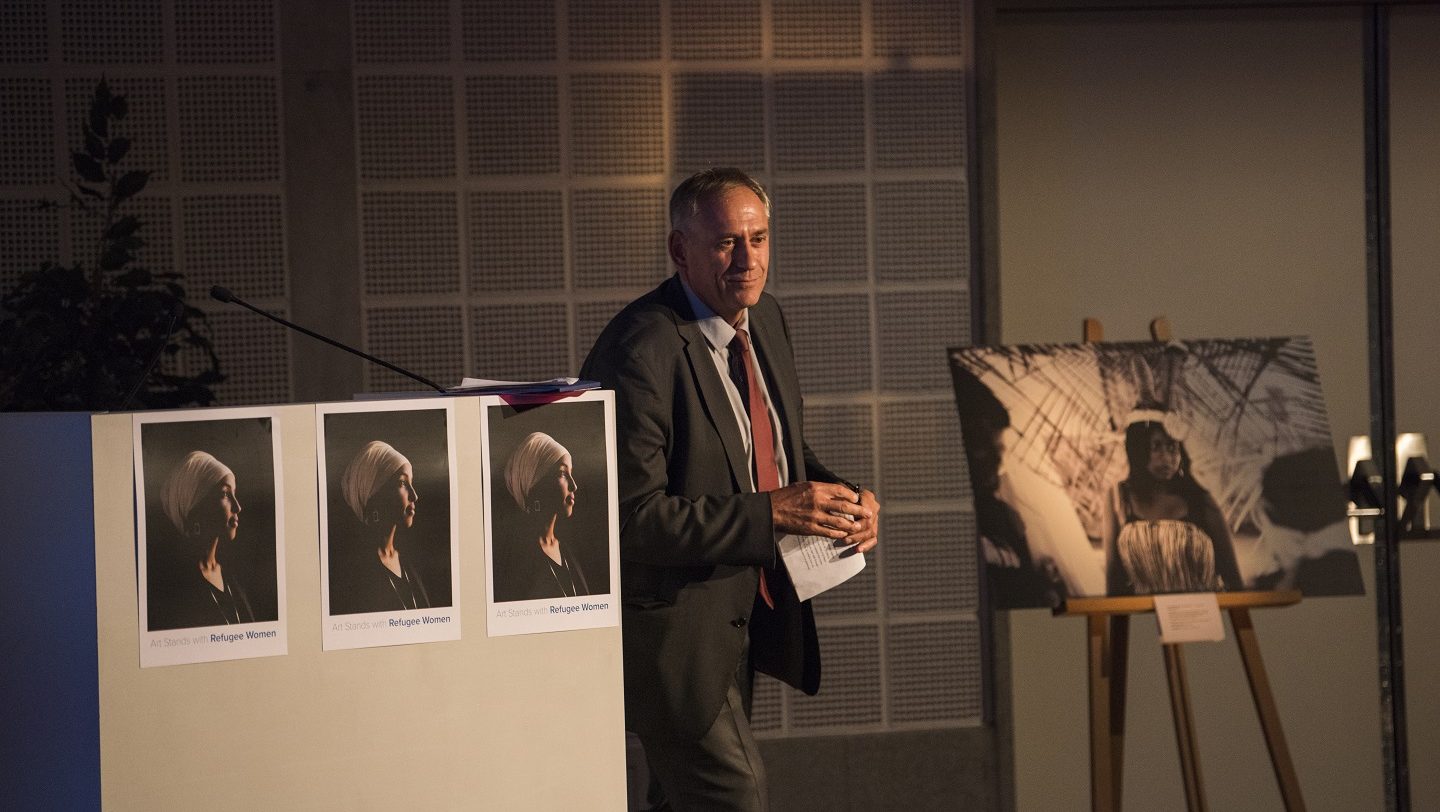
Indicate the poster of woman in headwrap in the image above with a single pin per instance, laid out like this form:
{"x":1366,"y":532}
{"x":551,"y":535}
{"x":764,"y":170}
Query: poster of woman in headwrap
{"x":210,"y":552}
{"x":552,"y":531}
{"x":1146,"y":468}
{"x":389,"y":532}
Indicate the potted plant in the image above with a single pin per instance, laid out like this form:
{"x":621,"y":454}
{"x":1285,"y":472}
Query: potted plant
{"x":104,"y":332}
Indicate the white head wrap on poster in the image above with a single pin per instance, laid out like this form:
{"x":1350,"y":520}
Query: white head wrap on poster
{"x":529,"y":462}
{"x":1174,"y":426}
{"x":368,"y":472}
{"x":188,"y":483}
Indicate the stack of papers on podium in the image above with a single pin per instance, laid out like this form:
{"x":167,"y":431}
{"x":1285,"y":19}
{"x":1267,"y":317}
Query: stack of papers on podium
{"x":480,"y":386}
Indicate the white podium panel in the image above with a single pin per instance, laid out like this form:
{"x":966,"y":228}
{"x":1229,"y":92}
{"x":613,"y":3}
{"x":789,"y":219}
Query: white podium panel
{"x":522,"y":722}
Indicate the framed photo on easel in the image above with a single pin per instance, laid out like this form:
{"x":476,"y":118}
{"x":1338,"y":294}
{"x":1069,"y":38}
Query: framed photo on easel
{"x":1152,"y":467}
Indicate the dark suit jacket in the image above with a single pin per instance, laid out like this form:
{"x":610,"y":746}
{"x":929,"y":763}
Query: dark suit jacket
{"x":692,"y":532}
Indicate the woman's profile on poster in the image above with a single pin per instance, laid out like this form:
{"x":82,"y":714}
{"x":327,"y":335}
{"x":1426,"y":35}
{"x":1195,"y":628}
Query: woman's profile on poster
{"x":371,"y":568}
{"x":532,"y":558}
{"x":189,"y":584}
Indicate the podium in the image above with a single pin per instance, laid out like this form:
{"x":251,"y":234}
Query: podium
{"x":529,"y":721}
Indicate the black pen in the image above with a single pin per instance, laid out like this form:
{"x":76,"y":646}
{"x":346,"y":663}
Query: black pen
{"x":852,"y":486}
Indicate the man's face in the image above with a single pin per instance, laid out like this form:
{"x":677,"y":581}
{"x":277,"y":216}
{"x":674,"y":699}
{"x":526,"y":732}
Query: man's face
{"x":723,"y":252}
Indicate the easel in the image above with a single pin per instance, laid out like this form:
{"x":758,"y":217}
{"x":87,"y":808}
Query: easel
{"x":1108,"y":643}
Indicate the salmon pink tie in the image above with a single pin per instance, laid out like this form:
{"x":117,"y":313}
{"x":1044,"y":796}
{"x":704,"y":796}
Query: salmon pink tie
{"x":762,"y":436}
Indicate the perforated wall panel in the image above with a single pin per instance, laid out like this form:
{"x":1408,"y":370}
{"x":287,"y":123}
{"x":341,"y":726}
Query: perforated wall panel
{"x":512,"y":124}
{"x":719,"y":120}
{"x":844,"y":438}
{"x":934,"y":671}
{"x":517,"y":241}
{"x":821,"y":234}
{"x":254,"y":355}
{"x":830,"y":336}
{"x":145,"y":123}
{"x":767,"y":709}
{"x":617,"y":125}
{"x":614,"y":29}
{"x":849,"y":697}
{"x":916,"y":115}
{"x":406,"y":126}
{"x":619,"y":237}
{"x":237,"y":241}
{"x":229,"y":128}
{"x":27,"y":152}
{"x":24,"y":32}
{"x":922,"y":232}
{"x":704,"y":29}
{"x":919,"y":443}
{"x":504,"y":30}
{"x":819,"y":121}
{"x":512,"y":342}
{"x":929,"y":561}
{"x":916,"y":328}
{"x":917,"y":28}
{"x":412,"y":31}
{"x":817,"y":28}
{"x":411,"y":242}
{"x":235,"y":31}
{"x":95,"y":32}
{"x":31,"y":236}
{"x":425,"y":339}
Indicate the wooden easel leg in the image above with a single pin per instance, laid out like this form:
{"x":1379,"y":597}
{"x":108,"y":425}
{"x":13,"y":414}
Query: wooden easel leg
{"x":1184,"y":727}
{"x":1098,"y":640}
{"x":1102,"y":793}
{"x":1119,"y":661}
{"x":1109,"y":641}
{"x":1265,"y":709}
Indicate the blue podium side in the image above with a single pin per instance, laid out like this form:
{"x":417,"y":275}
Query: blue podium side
{"x":49,"y":680}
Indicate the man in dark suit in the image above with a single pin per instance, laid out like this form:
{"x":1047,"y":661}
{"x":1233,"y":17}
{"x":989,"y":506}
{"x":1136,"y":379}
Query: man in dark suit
{"x":713,"y":470}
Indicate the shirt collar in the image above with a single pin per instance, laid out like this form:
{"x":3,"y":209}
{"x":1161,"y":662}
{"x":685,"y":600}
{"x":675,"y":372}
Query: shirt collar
{"x":717,"y":331}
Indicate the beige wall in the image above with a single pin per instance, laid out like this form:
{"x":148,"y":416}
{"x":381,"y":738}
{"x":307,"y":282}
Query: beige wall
{"x":1208,"y":166}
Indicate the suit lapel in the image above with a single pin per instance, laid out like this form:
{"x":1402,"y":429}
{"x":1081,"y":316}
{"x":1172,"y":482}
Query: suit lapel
{"x":780,"y":377}
{"x":709,"y":386}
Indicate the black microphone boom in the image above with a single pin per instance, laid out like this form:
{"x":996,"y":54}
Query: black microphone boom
{"x":223,"y":295}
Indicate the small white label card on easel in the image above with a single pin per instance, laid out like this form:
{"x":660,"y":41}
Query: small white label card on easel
{"x":1189,"y":618}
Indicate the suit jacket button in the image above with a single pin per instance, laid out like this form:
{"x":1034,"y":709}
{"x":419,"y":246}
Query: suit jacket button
{"x":738,"y":622}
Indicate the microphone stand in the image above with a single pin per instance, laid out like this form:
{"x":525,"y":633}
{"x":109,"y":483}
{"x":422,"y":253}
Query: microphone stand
{"x":224,"y":295}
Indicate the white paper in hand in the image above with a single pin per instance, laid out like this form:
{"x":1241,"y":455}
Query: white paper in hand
{"x":816,"y":564}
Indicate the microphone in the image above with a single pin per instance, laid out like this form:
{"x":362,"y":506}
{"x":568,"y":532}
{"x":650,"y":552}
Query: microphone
{"x":175,"y":309}
{"x":224,"y":295}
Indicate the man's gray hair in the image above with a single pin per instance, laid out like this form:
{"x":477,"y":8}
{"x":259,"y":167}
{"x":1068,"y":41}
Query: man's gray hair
{"x":687,"y":197}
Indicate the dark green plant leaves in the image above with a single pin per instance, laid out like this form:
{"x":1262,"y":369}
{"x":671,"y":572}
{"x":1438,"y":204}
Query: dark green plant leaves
{"x":88,"y":168}
{"x":81,"y":336}
{"x":130,"y":185}
{"x":119,"y":148}
{"x":123,"y":227}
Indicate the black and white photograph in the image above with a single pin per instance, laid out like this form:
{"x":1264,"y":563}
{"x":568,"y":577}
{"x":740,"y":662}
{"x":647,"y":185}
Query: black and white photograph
{"x":1148,"y":468}
{"x":551,"y":526}
{"x":210,"y":551}
{"x":389,"y":534}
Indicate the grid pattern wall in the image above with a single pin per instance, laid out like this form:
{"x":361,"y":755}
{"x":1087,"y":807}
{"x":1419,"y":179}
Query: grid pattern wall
{"x":202,"y":82}
{"x":514,"y":162}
